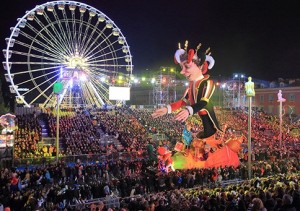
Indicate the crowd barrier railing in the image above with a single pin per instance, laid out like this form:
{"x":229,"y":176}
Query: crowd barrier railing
{"x":85,"y":159}
{"x":109,"y":202}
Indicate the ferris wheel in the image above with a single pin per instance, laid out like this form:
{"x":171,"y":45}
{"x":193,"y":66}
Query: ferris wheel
{"x":71,"y":43}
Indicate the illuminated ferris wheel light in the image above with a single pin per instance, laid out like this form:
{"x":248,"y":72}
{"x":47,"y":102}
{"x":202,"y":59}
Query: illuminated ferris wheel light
{"x":83,"y":77}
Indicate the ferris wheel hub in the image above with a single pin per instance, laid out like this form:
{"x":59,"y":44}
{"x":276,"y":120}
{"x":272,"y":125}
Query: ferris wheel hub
{"x":76,"y":61}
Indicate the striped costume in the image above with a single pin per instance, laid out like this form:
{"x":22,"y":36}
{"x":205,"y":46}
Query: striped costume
{"x":196,"y":99}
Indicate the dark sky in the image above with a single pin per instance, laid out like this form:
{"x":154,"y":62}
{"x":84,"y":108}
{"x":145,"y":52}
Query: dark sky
{"x":260,"y":38}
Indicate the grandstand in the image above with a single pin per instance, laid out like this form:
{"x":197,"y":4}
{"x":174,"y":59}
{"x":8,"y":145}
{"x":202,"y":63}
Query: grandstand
{"x":108,"y":148}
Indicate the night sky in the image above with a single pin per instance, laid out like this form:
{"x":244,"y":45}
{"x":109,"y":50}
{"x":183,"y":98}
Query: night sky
{"x":260,"y":38}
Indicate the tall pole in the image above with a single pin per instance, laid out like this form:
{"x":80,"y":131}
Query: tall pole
{"x":175,"y":84}
{"x":219,"y":96}
{"x":57,"y":89}
{"x":250,"y":92}
{"x":280,"y":100}
{"x":239,"y":94}
{"x":249,"y":136}
{"x":57,"y":130}
{"x":280,"y":124}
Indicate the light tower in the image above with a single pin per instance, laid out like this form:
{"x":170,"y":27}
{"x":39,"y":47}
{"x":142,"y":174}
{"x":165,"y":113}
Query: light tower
{"x":240,"y":77}
{"x":164,"y":86}
{"x":233,"y":92}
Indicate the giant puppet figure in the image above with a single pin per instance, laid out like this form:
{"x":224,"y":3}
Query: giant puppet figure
{"x":196,"y":100}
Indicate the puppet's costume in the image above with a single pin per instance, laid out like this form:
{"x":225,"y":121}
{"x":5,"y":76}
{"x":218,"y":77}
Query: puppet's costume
{"x":187,"y":136}
{"x":197,"y":96}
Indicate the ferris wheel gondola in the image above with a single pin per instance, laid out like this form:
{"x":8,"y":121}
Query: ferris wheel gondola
{"x":68,"y":42}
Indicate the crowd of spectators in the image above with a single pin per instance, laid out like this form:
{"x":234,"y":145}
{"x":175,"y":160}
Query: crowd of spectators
{"x":137,"y":182}
{"x":139,"y":187}
{"x":27,"y":135}
{"x":80,"y":133}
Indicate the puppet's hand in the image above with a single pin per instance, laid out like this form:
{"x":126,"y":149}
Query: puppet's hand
{"x":159,"y":112}
{"x":182,"y":115}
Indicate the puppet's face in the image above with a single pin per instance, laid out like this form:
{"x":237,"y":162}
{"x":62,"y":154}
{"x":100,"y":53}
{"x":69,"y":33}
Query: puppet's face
{"x":190,"y":70}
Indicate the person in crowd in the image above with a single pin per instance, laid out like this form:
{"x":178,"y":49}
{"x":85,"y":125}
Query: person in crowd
{"x":257,"y":205}
{"x":287,"y":203}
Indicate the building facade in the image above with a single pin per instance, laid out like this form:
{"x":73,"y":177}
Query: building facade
{"x":266,"y":100}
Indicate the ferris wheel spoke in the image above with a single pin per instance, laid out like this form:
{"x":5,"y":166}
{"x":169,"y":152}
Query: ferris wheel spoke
{"x":91,"y":35}
{"x":51,"y":51}
{"x":58,"y":36}
{"x":109,"y":45}
{"x":37,"y":70}
{"x":40,"y":63}
{"x":97,"y":46}
{"x":74,"y":31}
{"x":88,"y":49}
{"x":94,"y":69}
{"x":94,"y":95}
{"x":48,"y":100}
{"x":100,"y":35}
{"x":69,"y":33}
{"x":99,"y":89}
{"x":90,"y":99}
{"x":96,"y":64}
{"x":114,"y":51}
{"x":36,"y":56}
{"x":100,"y":74}
{"x":34,"y":78}
{"x":42,"y":93}
{"x":80,"y":29}
{"x":53,"y":41}
{"x":82,"y":43}
{"x":73,"y":23}
{"x":98,"y":85}
{"x":64,"y":37}
{"x":37,"y":86}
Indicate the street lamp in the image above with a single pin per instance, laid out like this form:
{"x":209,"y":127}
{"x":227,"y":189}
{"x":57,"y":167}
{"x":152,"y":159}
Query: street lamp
{"x":250,"y":92}
{"x":280,"y":100}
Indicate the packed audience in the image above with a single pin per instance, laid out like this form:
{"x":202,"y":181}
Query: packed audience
{"x":27,"y":135}
{"x":137,"y":184}
{"x":61,"y":186}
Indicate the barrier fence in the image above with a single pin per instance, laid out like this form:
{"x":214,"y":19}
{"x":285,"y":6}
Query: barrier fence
{"x":85,"y":159}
